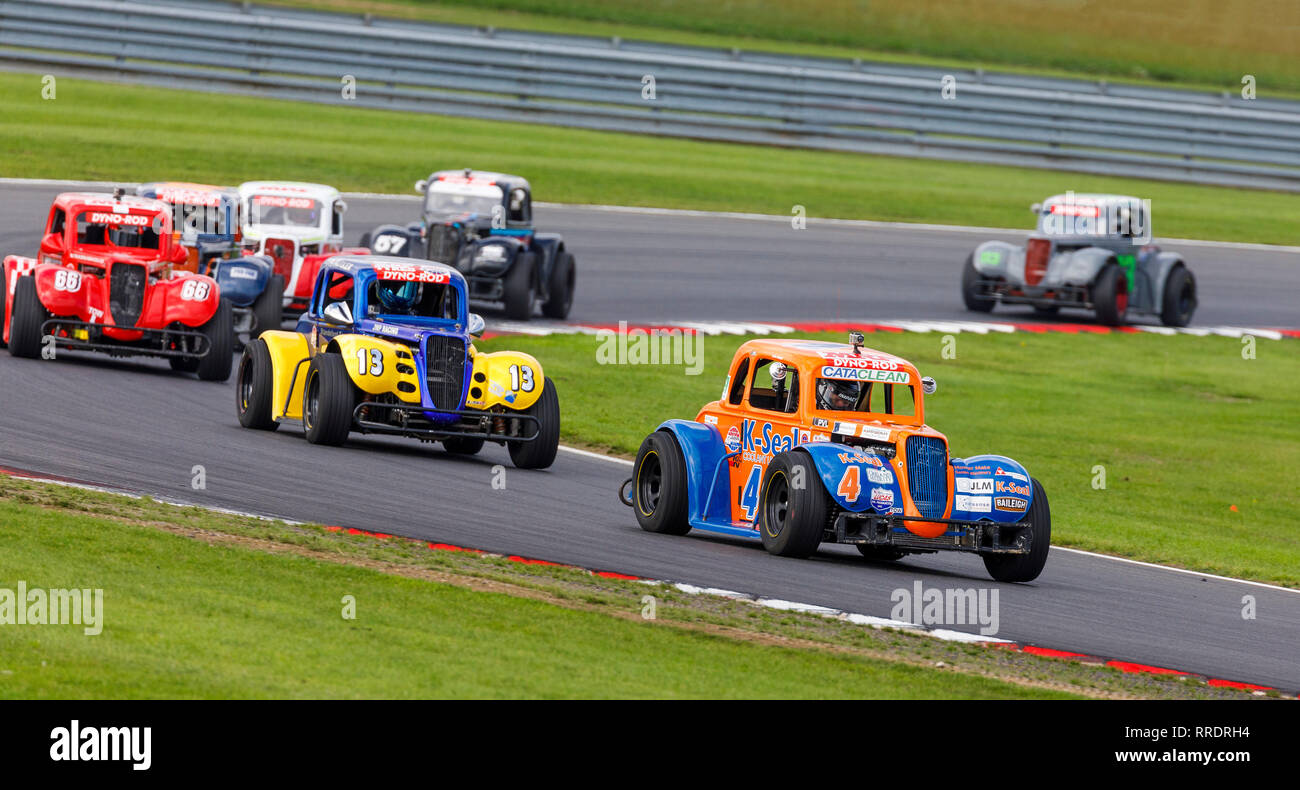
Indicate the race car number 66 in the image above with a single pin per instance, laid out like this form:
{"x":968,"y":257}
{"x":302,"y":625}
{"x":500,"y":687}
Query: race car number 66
{"x":195,"y":290}
{"x":67,"y":280}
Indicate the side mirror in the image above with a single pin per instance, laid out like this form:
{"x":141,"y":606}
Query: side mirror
{"x":1037,"y":208}
{"x":179,"y":254}
{"x":928,"y":385}
{"x":421,"y":185}
{"x":340,"y":207}
{"x":476,"y":325}
{"x":338,"y":314}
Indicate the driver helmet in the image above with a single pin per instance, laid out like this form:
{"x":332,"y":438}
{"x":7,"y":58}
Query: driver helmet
{"x":397,"y":297}
{"x":837,"y":395}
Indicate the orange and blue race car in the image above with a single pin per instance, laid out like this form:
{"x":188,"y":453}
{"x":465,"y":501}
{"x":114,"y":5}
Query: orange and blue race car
{"x":106,"y":278}
{"x":815,"y":442}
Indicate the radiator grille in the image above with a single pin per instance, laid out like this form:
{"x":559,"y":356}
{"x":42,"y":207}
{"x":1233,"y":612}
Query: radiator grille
{"x":443,"y":243}
{"x":126,"y":293}
{"x":1037,"y":253}
{"x":444,"y":359}
{"x":927,"y":475}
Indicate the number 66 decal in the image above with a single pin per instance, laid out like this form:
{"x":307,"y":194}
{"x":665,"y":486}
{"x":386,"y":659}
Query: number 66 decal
{"x":67,"y":280}
{"x":195,"y":290}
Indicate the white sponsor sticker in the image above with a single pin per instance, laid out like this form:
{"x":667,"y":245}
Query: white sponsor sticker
{"x":877,"y":434}
{"x":973,"y":504}
{"x":881,"y":477}
{"x":967,"y":485}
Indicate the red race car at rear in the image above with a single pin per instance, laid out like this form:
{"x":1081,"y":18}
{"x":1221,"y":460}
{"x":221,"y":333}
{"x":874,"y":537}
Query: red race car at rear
{"x":104,"y":280}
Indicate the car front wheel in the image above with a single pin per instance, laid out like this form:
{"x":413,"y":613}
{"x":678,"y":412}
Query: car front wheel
{"x":1026,"y":567}
{"x":328,"y":399}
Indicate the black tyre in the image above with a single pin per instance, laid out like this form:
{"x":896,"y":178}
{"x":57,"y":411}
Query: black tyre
{"x":659,"y":495}
{"x":220,"y":332}
{"x":540,"y":452}
{"x":1179,"y":300}
{"x":881,"y":553}
{"x":1026,"y":567}
{"x":1110,"y":295}
{"x":563,"y":278}
{"x":365,"y":240}
{"x":328,"y":399}
{"x":253,"y":387}
{"x":970,"y":280}
{"x":28,"y":316}
{"x":462,"y":445}
{"x":791,"y":506}
{"x":4,"y":299}
{"x":268,"y":308}
{"x":519,"y":288}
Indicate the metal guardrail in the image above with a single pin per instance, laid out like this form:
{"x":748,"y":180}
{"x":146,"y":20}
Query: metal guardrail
{"x":763,"y":98}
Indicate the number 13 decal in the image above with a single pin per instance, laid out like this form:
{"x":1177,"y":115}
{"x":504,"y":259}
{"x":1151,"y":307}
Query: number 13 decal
{"x":521,"y":378}
{"x":370,"y":361}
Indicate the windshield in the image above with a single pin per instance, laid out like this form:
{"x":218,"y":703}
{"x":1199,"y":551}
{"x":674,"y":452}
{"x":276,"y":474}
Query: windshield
{"x":298,"y":212}
{"x":446,"y":198}
{"x":403,"y":298}
{"x":108,"y":229}
{"x":857,"y":396}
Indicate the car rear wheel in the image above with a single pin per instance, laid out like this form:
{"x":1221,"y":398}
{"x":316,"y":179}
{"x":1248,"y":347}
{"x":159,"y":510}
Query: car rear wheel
{"x":220,"y":332}
{"x":519,"y":288}
{"x":28,"y":316}
{"x":792,"y":506}
{"x":328,"y":400}
{"x":462,"y":445}
{"x":253,"y":387}
{"x":659,"y":495}
{"x":4,"y":304}
{"x":970,"y":288}
{"x":1179,"y":300}
{"x":268,"y":308}
{"x":540,"y":452}
{"x":563,"y":277}
{"x":1110,"y":295}
{"x":1026,"y":567}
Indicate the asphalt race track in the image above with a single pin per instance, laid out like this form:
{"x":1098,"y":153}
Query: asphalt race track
{"x":136,"y":426}
{"x":646,"y":267}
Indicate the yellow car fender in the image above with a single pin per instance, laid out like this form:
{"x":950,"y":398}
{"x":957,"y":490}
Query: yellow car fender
{"x":288,"y":349}
{"x":379,"y":366}
{"x":504,"y":378}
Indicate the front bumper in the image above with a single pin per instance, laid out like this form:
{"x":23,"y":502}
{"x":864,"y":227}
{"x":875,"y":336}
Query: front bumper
{"x":180,"y":343}
{"x":415,"y":421}
{"x":982,"y":537}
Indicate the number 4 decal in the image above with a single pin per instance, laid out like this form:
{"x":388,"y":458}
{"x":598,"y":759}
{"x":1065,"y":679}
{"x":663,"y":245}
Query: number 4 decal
{"x":749,"y":496}
{"x":850,"y":487}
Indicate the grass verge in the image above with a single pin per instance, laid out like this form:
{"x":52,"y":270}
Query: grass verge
{"x":1197,"y":445}
{"x":1212,"y":46}
{"x":200,"y":604}
{"x":105,"y":131}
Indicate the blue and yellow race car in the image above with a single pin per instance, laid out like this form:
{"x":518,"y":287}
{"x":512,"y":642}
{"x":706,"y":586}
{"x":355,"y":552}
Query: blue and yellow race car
{"x":386,"y":346}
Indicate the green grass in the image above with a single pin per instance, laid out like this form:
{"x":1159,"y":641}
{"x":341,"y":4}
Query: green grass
{"x":1202,"y":43}
{"x":104,"y":131}
{"x":1185,"y":428}
{"x":183,"y":618}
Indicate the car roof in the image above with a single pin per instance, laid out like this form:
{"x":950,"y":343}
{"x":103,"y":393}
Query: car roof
{"x":323,"y":192}
{"x":107,"y":200}
{"x":1090,"y":197}
{"x":481,"y":175}
{"x":160,"y":188}
{"x":356,"y":264}
{"x":819,"y":352}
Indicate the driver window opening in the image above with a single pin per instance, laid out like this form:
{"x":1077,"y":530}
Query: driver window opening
{"x":738,"y":382}
{"x":775,"y":388}
{"x":424,"y":300}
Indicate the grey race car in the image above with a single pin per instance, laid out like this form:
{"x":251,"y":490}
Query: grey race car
{"x":1089,"y":251}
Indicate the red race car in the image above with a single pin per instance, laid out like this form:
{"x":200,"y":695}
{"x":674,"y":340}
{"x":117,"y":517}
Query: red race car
{"x":104,"y":280}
